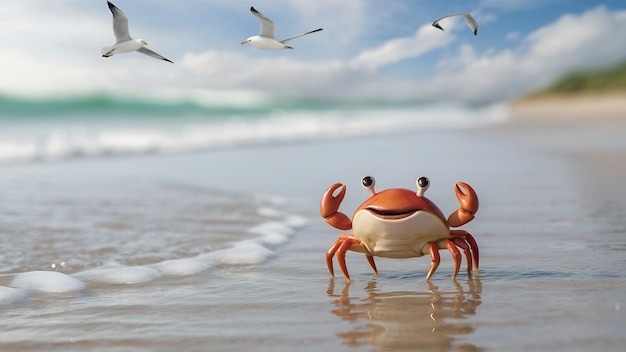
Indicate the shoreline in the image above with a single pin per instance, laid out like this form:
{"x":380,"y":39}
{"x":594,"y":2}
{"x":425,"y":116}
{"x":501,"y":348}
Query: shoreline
{"x":585,"y":109}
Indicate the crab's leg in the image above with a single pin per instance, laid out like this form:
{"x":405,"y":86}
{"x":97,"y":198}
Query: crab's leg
{"x":341,"y":256}
{"x":331,"y":253}
{"x":433,"y":249}
{"x":370,"y":259}
{"x":342,"y":245}
{"x":460,"y":242}
{"x":472,"y":244}
{"x":456,"y":255}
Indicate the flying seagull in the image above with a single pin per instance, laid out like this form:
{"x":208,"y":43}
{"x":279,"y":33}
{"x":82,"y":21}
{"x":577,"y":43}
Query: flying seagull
{"x":124,"y":42}
{"x":266,"y":39}
{"x":471,"y":22}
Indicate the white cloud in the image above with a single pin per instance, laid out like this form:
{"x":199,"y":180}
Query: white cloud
{"x":281,"y":75}
{"x":426,"y":38}
{"x":40,"y":54}
{"x":510,"y":5}
{"x":584,"y":36}
{"x":513,"y":35}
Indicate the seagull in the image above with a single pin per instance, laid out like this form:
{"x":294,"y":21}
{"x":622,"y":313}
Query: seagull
{"x":471,"y":22}
{"x":124,"y":42}
{"x":266,"y":39}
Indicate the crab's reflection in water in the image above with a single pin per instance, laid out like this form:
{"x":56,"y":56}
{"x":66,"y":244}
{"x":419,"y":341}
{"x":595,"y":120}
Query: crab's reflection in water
{"x":432,"y":320}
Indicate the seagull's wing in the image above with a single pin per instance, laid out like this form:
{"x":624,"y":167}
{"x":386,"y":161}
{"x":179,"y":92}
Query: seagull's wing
{"x":120,"y":24}
{"x":299,"y":35}
{"x":471,"y":22}
{"x":267,"y":26}
{"x":436,"y":23}
{"x":149,"y":52}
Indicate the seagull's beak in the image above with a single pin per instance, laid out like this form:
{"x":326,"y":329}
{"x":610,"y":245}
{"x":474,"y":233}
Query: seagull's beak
{"x":245,"y":42}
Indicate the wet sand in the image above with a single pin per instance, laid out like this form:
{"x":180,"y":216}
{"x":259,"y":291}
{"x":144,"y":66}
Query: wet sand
{"x":588,"y":134}
{"x":551,"y":230}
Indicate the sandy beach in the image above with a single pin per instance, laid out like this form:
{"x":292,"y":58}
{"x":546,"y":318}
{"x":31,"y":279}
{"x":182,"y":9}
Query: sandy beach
{"x":584,"y":108}
{"x":588,"y":128}
{"x":224,"y":250}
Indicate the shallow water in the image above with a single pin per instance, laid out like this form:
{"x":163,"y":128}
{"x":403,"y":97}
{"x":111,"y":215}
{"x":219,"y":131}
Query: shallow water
{"x":224,"y":251}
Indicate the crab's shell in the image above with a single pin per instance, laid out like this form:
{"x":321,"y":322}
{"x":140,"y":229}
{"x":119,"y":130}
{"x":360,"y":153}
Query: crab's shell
{"x":396,"y":223}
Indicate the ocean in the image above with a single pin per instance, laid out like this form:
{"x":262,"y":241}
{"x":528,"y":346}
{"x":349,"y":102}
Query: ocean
{"x":93,"y":126}
{"x":184,"y":225}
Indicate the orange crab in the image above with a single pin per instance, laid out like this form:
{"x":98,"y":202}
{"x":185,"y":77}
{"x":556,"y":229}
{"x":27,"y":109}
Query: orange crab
{"x":400,"y":223}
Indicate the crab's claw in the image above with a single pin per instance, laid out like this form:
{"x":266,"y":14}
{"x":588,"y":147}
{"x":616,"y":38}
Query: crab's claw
{"x":329,"y":206}
{"x":469,"y":205}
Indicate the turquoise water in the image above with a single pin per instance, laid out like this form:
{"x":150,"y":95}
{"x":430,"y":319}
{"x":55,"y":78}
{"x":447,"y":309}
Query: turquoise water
{"x":85,"y":106}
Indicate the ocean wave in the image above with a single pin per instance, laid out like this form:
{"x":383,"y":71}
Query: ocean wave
{"x":48,"y":140}
{"x":125,"y":104}
{"x":270,"y":234}
{"x":47,"y":281}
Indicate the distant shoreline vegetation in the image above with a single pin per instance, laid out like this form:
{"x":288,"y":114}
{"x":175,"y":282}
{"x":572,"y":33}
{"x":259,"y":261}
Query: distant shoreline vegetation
{"x":610,"y":80}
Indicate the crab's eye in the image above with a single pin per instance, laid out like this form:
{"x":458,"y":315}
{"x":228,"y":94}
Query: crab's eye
{"x":369,"y":182}
{"x":422,"y":185}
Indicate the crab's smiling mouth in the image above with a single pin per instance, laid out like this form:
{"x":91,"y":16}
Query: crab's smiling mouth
{"x":391,"y":214}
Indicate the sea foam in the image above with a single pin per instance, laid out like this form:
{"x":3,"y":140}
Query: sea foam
{"x":47,"y":281}
{"x":120,"y":275}
{"x":10,"y":295}
{"x":181,"y":267}
{"x":296,"y":221}
{"x":272,"y":232}
{"x":249,"y":252}
{"x":257,"y":248}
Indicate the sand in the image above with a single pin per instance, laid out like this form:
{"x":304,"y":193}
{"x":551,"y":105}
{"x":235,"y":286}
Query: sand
{"x":586,"y":109}
{"x":589,"y":128}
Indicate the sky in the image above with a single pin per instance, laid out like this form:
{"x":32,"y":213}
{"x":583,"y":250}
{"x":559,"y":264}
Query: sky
{"x":369,"y":50}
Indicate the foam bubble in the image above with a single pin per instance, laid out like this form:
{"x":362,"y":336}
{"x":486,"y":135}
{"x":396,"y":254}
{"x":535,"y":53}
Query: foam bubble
{"x":181,"y":267}
{"x":10,"y":295}
{"x":296,"y":221}
{"x":272,"y":199}
{"x":289,"y":219}
{"x":272,"y":232}
{"x":121,"y":275}
{"x":269,"y":212}
{"x":243,"y":253}
{"x":47,"y":281}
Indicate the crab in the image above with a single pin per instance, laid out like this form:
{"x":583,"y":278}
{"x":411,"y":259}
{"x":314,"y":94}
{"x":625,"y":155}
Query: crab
{"x":400,"y":223}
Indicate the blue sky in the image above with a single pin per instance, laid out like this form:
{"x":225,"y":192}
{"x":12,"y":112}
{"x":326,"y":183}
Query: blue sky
{"x":368,"y":50}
